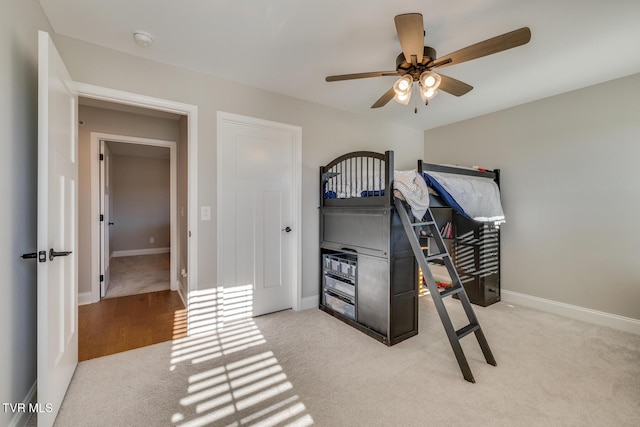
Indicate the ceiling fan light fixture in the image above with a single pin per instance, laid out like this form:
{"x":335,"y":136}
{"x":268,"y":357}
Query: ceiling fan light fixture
{"x":403,"y":85}
{"x":430,"y":80}
{"x":403,"y":98}
{"x":427,"y":93}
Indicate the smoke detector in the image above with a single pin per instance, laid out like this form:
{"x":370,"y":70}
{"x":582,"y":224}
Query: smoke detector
{"x":142,"y":38}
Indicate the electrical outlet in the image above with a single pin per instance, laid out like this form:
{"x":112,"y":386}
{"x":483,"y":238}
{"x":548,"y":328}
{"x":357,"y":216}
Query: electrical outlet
{"x":152,"y":239}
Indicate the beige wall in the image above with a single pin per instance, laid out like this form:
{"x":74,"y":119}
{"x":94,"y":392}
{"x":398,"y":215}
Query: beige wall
{"x":326,"y":133}
{"x":20,"y":21}
{"x":113,"y":122}
{"x":141,"y":205}
{"x":570,"y":189}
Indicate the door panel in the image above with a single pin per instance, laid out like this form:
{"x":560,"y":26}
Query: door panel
{"x":257,"y":197}
{"x":272,"y":245}
{"x":57,"y":229}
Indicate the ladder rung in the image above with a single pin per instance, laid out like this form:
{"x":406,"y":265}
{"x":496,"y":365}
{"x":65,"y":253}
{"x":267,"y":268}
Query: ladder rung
{"x":419,"y":224}
{"x":436,"y":256}
{"x":463,"y":332}
{"x":450,"y":291}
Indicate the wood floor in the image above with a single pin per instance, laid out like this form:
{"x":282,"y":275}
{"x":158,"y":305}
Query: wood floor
{"x":118,"y":324}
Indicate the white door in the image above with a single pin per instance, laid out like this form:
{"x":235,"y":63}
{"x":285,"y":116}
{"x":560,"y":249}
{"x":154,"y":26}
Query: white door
{"x":57,"y":229}
{"x":105,"y":218}
{"x":258,"y":257}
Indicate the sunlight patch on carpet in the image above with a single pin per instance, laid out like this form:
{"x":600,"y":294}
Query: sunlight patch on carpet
{"x":239,"y":384}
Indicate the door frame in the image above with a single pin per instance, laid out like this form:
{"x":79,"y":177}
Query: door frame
{"x":296,"y":186}
{"x":191,"y":112}
{"x":96,"y":195}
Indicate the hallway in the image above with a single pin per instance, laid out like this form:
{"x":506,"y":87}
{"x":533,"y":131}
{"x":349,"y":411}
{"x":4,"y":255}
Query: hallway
{"x":118,"y":324}
{"x":138,"y":274}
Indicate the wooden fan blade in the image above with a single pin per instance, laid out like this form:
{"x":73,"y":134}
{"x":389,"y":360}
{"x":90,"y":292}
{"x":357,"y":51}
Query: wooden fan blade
{"x":388,"y":96}
{"x":360,"y":75}
{"x":487,"y":47}
{"x":453,"y":86}
{"x":410,"y":28}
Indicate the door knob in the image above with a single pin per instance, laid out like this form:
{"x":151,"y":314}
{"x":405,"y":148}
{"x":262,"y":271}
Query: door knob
{"x":287,"y":229}
{"x":53,"y":254}
{"x":111,"y":223}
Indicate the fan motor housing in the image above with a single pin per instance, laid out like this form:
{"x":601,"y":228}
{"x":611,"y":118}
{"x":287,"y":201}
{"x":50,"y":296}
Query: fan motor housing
{"x":428,"y":55}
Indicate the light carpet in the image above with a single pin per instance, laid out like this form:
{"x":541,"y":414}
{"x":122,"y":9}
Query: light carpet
{"x":304,"y":368}
{"x":139,"y":274}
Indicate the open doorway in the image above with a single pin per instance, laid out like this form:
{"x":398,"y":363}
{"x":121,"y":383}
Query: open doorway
{"x":137,"y":208}
{"x":134,"y":213}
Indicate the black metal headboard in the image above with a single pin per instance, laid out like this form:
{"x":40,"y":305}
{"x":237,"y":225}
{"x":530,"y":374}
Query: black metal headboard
{"x":351,"y":173}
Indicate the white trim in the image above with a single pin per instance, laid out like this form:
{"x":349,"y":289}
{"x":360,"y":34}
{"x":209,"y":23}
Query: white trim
{"x":182,"y":293}
{"x":96,"y":137}
{"x":191,"y":111}
{"x":20,"y":419}
{"x":601,"y":318}
{"x":296,"y":188}
{"x":136,"y":252}
{"x":94,"y":173}
{"x":85,"y":298}
{"x":309,"y":302}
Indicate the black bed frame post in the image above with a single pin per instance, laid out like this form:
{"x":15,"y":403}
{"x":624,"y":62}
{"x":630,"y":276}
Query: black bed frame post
{"x":321,"y":192}
{"x":388,"y":179}
{"x":320,"y":228}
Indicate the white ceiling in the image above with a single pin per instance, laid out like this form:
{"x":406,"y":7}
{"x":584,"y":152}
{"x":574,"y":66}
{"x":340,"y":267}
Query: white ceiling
{"x":289,"y":46}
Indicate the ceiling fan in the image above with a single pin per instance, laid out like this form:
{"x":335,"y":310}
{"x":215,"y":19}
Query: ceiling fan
{"x":416,"y":62}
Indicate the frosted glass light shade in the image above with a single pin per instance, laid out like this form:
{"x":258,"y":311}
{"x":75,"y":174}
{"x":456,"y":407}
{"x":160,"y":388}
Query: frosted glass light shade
{"x":430,"y":80}
{"x":402,"y":86}
{"x":403,"y":98}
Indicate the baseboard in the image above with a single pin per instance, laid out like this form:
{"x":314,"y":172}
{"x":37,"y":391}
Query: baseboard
{"x":620,"y":323}
{"x":21,"y":419}
{"x":308,"y":302}
{"x":85,"y":298}
{"x":136,"y":252}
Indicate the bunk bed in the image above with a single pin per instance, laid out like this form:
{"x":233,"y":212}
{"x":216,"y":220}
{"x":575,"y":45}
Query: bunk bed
{"x":474,"y":230}
{"x":369,"y":277}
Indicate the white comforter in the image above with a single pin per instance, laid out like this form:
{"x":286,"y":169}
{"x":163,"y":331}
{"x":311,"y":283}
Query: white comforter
{"x":478,"y":197}
{"x":413,"y":189}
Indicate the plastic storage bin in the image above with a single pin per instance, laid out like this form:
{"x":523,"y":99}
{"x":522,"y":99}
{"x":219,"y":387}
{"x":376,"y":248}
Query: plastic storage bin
{"x":339,"y":305}
{"x":340,"y":286}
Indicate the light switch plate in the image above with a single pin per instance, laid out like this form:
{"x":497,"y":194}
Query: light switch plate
{"x":205,"y":213}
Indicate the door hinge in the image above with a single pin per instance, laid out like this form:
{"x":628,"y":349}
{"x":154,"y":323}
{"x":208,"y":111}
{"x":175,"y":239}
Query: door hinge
{"x":101,"y":217}
{"x":101,"y":156}
{"x":102,"y":277}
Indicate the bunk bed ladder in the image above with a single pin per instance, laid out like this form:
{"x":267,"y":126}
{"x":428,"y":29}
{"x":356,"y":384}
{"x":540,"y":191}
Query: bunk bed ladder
{"x":456,"y":289}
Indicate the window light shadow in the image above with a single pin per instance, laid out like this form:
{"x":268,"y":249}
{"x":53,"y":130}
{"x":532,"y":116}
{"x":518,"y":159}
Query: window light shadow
{"x":238,"y":380}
